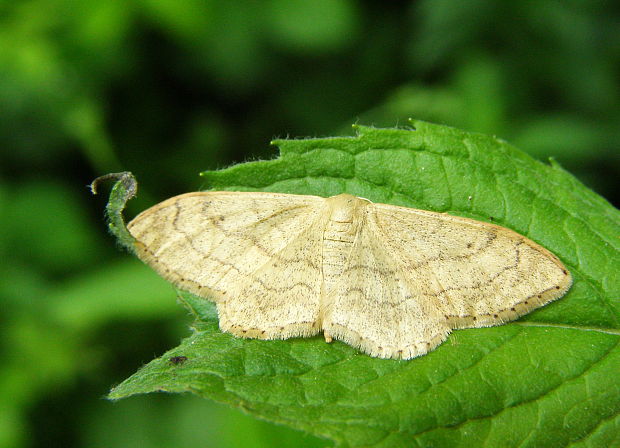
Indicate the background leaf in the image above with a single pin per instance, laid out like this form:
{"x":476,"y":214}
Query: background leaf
{"x":549,"y":379}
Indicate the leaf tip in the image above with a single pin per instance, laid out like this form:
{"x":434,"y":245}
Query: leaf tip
{"x":126,"y":178}
{"x":124,"y":189}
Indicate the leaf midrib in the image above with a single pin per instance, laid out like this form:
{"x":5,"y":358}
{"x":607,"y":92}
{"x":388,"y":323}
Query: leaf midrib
{"x":612,"y":331}
{"x":460,"y":371}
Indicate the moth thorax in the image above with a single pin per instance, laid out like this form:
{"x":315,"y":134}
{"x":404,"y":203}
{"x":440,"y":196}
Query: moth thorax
{"x":345,"y":207}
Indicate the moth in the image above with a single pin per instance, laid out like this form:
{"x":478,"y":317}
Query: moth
{"x":391,"y":281}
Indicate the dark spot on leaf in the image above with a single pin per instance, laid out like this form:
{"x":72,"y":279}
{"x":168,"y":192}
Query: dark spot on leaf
{"x":177,"y":360}
{"x":495,"y":316}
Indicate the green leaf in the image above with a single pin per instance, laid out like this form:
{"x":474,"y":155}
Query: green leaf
{"x":549,"y":379}
{"x":123,"y":190}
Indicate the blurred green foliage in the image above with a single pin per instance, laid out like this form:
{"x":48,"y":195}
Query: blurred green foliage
{"x":167,"y":89}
